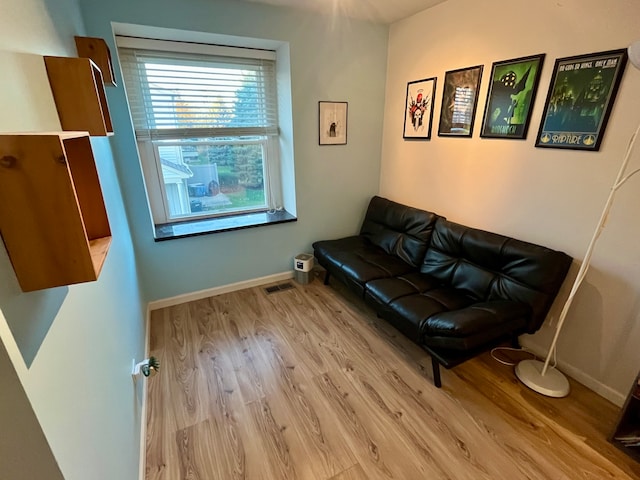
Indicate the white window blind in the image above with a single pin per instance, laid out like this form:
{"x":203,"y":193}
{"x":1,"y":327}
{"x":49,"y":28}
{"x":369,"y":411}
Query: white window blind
{"x":175,"y":95}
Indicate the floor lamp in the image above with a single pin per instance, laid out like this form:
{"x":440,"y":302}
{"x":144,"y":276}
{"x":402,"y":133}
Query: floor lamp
{"x":537,"y":375}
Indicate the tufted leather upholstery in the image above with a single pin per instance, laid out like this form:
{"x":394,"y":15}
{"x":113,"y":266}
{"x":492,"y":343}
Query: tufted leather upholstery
{"x":473,"y":286}
{"x":401,"y":231}
{"x":453,"y":289}
{"x":492,"y":267}
{"x":392,"y":241}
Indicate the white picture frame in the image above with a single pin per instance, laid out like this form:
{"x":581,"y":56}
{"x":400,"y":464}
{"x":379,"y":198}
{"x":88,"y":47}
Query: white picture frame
{"x":332,"y":123}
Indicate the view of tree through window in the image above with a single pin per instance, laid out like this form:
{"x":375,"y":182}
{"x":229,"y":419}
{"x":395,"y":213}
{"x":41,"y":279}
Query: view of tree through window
{"x":214,"y":174}
{"x":219,"y":177}
{"x":206,"y":123}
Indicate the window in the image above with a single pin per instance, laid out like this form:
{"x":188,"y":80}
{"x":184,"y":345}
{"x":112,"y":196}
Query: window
{"x":206,"y":123}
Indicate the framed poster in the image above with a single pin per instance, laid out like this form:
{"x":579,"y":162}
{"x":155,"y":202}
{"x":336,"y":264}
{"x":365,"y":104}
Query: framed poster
{"x":579,"y":101}
{"x":513,"y":88}
{"x":418,"y":108}
{"x":332,"y":123}
{"x":459,"y":101}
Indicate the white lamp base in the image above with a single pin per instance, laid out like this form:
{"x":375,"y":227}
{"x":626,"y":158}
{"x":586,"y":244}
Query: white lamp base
{"x":552,"y":384}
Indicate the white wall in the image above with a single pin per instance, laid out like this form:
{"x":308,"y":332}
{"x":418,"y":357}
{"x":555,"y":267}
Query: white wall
{"x":547,"y":196}
{"x":24,"y":451}
{"x":66,"y":387}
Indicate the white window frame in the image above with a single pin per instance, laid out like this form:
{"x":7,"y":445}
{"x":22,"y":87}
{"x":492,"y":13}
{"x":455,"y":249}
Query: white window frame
{"x":148,"y":148}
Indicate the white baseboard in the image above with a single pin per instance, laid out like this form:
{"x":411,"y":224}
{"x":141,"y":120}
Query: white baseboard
{"x":143,"y":410}
{"x":578,"y":375}
{"x":212,"y":292}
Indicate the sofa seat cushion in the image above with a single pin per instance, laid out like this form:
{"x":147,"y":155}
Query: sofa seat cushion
{"x":433,"y":314}
{"x":411,"y":299}
{"x":385,"y":291}
{"x":357,"y":261}
{"x":475,"y":325}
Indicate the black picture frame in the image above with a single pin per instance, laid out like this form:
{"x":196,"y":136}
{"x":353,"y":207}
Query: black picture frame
{"x":418,"y":109}
{"x":459,"y":101}
{"x":332,"y":123}
{"x":581,"y":94}
{"x":510,"y":98}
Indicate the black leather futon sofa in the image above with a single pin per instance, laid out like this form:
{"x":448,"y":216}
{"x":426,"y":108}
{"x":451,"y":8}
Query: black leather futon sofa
{"x":454,"y":290}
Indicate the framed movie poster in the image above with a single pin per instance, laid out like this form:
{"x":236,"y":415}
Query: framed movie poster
{"x":579,"y":101}
{"x":510,"y":98}
{"x":459,"y":101}
{"x":332,"y":123}
{"x":418,"y":108}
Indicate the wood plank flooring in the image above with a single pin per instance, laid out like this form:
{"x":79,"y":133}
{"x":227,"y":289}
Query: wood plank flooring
{"x":307,"y":383}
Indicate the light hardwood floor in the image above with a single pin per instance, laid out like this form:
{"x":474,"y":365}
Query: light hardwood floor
{"x":307,"y":383}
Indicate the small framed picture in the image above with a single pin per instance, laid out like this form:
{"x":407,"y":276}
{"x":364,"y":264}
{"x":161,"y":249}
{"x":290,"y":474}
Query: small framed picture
{"x":418,"y":108}
{"x":459,"y":101}
{"x":332,"y":123}
{"x":579,"y":101}
{"x":513,"y":88}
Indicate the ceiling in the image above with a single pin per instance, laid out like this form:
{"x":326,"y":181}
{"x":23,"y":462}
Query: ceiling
{"x":380,"y":11}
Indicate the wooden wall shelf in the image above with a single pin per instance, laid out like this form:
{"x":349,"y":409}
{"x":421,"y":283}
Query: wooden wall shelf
{"x":78,"y":91}
{"x":52,"y":215}
{"x":97,"y":50}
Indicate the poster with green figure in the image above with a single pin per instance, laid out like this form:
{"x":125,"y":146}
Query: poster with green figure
{"x":579,"y":101}
{"x":510,"y":98}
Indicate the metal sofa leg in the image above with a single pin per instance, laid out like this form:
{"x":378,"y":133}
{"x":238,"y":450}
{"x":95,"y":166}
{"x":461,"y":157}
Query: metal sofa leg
{"x":326,"y":277}
{"x":436,"y":372}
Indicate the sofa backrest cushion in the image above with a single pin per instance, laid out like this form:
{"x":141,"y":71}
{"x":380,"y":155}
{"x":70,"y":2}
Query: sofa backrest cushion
{"x":489,"y":267}
{"x":398,"y":229}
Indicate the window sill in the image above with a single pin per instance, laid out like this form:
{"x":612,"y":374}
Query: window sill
{"x":191,"y":228}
